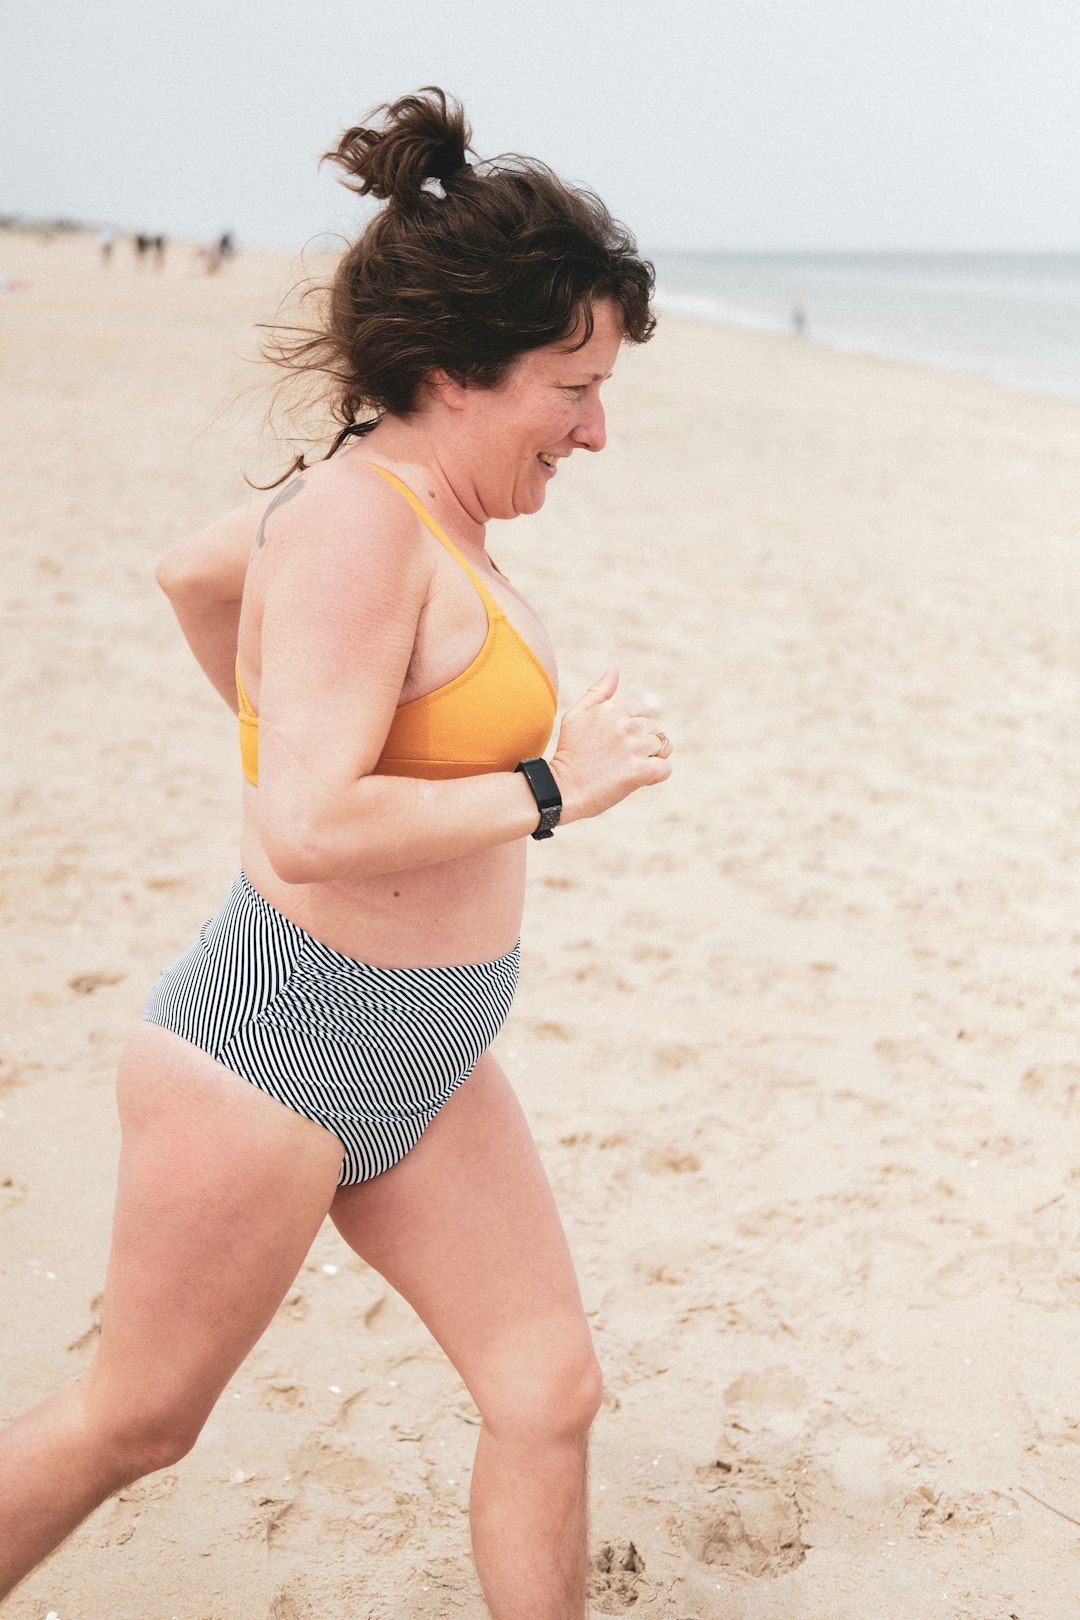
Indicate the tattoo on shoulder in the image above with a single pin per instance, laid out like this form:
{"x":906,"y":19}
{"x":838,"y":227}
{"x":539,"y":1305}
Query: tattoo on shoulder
{"x":279,"y":499}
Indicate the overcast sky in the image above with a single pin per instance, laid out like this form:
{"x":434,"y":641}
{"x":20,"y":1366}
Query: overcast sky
{"x":772,"y":124}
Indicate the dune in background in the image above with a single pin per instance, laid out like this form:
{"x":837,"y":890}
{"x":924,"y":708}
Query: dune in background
{"x":798,"y":1033}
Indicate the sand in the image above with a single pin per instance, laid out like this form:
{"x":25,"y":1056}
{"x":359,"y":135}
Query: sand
{"x":798,"y":1033}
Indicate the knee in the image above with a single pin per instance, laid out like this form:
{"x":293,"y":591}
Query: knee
{"x":545,"y":1393}
{"x":140,"y":1438}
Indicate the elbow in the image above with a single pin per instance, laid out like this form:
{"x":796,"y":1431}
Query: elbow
{"x":188,"y":576}
{"x":314,"y":838}
{"x":172,"y":576}
{"x":297,"y":854}
{"x":299,"y":836}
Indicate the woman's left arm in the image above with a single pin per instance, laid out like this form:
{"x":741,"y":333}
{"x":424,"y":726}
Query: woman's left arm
{"x":204,"y":580}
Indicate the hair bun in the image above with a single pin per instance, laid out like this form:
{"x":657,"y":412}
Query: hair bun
{"x":421,"y":137}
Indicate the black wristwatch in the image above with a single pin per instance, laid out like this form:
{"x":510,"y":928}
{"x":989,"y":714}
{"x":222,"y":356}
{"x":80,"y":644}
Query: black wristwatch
{"x":537,"y":772}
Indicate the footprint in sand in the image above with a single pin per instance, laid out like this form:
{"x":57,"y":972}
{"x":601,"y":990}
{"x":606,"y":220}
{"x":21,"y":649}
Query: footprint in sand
{"x":615,"y":1572}
{"x":995,"y":1516}
{"x":776,"y":1387}
{"x":325,"y":1464}
{"x":286,"y":1606}
{"x":280,"y":1395}
{"x":269,"y":1516}
{"x":755,"y":1531}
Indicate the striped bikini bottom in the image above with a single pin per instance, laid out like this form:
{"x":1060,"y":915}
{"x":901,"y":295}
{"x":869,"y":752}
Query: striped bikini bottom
{"x":370,"y":1053}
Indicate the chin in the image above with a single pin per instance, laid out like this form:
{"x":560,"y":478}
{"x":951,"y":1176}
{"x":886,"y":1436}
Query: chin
{"x":530,"y":502}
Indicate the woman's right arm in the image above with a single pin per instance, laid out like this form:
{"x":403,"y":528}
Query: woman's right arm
{"x":343,"y":598}
{"x":203,"y":577}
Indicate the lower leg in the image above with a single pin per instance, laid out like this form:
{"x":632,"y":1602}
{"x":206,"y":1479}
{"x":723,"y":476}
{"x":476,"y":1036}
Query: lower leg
{"x":209,"y":1167}
{"x":51,"y":1476}
{"x":465,"y":1228}
{"x":528,"y":1514}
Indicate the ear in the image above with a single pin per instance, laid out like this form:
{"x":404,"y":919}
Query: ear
{"x":452,"y":394}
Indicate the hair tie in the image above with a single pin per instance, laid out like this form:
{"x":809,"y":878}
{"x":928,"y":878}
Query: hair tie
{"x":451,"y":179}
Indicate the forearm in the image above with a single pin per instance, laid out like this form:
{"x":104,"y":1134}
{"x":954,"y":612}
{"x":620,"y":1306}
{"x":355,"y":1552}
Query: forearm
{"x":204,"y":581}
{"x":210,"y":629}
{"x":316,"y":832}
{"x":396,"y":823}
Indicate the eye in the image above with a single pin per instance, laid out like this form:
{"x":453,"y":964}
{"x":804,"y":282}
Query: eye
{"x":577,"y":389}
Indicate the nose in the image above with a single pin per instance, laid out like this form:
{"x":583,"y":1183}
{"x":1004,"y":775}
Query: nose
{"x":591,"y":431}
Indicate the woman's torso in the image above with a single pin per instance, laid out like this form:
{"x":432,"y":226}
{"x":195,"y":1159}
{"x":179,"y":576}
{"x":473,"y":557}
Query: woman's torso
{"x":464,"y":910}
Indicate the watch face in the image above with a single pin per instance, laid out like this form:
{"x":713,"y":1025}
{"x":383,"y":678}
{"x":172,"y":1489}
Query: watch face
{"x":545,"y":791}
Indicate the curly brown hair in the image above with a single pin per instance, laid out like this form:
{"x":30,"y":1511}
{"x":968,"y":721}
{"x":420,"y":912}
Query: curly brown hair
{"x":466,"y":268}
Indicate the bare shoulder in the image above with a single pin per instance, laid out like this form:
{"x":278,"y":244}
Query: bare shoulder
{"x":343,"y":507}
{"x":342,"y":559}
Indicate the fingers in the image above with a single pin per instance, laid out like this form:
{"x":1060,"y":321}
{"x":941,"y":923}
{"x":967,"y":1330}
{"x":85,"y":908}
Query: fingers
{"x":637,"y":706}
{"x":657,"y":743}
{"x":603,"y":689}
{"x":659,"y":771}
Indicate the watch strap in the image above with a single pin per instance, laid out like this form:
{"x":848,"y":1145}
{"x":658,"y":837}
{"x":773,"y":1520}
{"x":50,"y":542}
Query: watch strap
{"x":545,"y":790}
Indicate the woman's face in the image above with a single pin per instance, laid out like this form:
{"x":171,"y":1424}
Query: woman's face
{"x":544,"y":409}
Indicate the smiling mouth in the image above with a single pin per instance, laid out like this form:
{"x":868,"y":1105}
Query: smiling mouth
{"x":549,"y":461}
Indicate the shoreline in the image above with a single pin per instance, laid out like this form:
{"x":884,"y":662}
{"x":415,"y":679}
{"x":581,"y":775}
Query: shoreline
{"x":917,"y":299}
{"x":685,"y":309}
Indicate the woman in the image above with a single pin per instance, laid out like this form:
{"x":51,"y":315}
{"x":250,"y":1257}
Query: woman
{"x":309,"y":1054}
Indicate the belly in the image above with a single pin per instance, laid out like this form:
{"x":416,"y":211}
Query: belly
{"x":468,"y":910}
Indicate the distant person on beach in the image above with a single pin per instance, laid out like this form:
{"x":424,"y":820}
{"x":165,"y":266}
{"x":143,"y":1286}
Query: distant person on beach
{"x":324,"y":1046}
{"x":106,"y":242}
{"x":214,"y":254}
{"x":798,"y":315}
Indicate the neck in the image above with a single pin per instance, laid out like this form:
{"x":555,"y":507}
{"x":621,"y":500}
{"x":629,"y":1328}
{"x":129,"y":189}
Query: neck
{"x":435,"y":469}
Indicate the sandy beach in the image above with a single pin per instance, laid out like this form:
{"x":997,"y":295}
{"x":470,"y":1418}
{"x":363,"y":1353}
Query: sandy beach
{"x":799,"y":1033}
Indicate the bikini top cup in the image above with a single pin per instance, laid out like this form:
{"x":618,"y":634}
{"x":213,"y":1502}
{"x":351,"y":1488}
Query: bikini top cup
{"x":498,"y":711}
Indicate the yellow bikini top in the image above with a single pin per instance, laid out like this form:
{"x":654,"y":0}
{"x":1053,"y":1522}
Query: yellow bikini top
{"x":496,"y":712}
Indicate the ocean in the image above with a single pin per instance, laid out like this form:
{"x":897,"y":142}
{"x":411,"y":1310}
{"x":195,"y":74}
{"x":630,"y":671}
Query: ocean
{"x":1012,"y":317}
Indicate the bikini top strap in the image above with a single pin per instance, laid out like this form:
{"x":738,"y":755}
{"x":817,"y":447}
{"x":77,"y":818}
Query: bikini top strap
{"x":444,"y":539}
{"x":246,"y":708}
{"x":245,"y":701}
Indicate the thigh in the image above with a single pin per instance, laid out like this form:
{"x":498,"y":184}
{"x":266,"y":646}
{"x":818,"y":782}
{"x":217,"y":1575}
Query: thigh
{"x":466,"y":1229}
{"x":221,"y":1191}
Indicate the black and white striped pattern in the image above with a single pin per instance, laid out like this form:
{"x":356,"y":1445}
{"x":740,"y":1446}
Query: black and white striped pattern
{"x":370,"y":1053}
